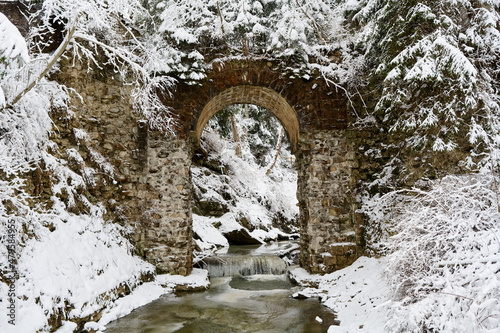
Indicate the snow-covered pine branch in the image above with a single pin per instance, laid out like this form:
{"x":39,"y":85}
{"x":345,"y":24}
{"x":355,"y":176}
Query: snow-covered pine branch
{"x":303,"y":34}
{"x":438,"y":61}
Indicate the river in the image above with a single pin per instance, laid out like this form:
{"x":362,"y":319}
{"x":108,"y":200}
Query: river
{"x":236,"y":303}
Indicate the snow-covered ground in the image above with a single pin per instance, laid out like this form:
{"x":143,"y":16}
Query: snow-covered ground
{"x":359,"y":294}
{"x":75,"y":268}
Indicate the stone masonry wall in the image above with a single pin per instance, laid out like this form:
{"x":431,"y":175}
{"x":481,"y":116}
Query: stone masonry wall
{"x":149,"y":188}
{"x":111,"y":138}
{"x":168,"y":241}
{"x":142,"y":177}
{"x":330,"y":230}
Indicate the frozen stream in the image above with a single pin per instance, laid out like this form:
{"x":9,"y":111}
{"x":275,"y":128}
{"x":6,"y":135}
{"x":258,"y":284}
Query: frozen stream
{"x":253,"y":303}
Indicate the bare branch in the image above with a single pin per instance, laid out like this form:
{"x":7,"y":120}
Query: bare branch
{"x":57,"y":54}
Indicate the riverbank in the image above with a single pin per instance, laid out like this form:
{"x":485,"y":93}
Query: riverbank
{"x":358,"y":294}
{"x":144,"y":294}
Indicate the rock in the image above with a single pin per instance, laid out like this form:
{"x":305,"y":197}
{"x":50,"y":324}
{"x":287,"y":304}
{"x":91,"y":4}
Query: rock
{"x":299,"y":295}
{"x":189,"y":287}
{"x":210,"y":208}
{"x":240,"y":237}
{"x":244,"y":222}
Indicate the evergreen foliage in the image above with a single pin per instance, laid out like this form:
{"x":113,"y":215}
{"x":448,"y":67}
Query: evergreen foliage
{"x":435,"y":65}
{"x":303,"y":35}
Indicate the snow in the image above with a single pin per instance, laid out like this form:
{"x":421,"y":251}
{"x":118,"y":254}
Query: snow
{"x":269,"y":234}
{"x":12,"y":43}
{"x":2,"y":98}
{"x":182,"y":35}
{"x":203,"y":227}
{"x":441,"y":269}
{"x":440,"y":247}
{"x":359,"y":294}
{"x":82,"y":259}
{"x":67,"y":327}
{"x":197,"y":278}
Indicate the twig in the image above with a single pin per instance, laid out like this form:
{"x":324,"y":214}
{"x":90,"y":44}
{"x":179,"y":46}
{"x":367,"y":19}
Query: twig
{"x":57,"y":54}
{"x":418,"y":192}
{"x":315,"y":26}
{"x":120,"y":55}
{"x":337,"y":86}
{"x":441,"y":292}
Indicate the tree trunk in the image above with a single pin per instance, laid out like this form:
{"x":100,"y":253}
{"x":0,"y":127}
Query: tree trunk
{"x":245,"y":129}
{"x":278,"y":148}
{"x":236,"y":137}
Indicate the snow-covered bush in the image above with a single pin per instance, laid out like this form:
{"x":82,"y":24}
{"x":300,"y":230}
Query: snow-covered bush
{"x":443,"y":252}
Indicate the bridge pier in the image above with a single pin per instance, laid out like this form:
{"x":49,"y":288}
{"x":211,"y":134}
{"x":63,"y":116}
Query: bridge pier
{"x":330,"y":239}
{"x":168,"y":227}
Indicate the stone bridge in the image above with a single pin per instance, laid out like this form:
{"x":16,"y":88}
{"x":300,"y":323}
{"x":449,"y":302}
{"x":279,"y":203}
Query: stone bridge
{"x":315,"y":118}
{"x":153,"y":190}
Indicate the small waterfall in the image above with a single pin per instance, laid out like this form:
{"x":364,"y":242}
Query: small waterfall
{"x":243,"y":265}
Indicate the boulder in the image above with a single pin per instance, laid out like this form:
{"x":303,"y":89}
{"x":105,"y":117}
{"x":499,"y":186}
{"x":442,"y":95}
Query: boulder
{"x":241,"y":237}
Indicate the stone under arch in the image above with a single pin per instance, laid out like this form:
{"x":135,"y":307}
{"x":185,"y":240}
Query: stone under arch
{"x":247,"y":94}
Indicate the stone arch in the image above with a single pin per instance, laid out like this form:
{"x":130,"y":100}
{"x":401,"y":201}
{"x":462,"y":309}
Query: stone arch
{"x":314,"y":115}
{"x":247,"y":94}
